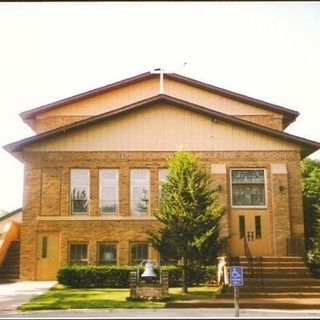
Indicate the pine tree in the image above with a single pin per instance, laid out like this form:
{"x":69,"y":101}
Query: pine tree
{"x":189,"y":215}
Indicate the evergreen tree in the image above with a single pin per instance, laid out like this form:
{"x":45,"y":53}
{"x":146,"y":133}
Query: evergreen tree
{"x":310,"y":170}
{"x":189,"y":215}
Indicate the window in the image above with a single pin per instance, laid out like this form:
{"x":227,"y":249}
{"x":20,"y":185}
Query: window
{"x":44,"y":248}
{"x":78,"y":253}
{"x":242,"y":227}
{"x":108,"y":191}
{"x":80,"y":179}
{"x":168,"y":261}
{"x":138,"y":252}
{"x":163,"y":173}
{"x":139,"y":187}
{"x":257,"y":223}
{"x":107,"y":253}
{"x":248,"y":188}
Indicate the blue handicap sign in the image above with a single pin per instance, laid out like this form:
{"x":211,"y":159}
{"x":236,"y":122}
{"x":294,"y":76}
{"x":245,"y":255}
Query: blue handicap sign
{"x":236,"y":276}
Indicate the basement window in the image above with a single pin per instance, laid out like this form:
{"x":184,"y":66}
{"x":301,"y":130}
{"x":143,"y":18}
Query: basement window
{"x":138,"y":252}
{"x":78,"y":253}
{"x":107,"y":253}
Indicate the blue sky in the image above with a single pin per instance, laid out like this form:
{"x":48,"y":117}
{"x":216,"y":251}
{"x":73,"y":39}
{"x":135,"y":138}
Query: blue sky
{"x":50,"y":51}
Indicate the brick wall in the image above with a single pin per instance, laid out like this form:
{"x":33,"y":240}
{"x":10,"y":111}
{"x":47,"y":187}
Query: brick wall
{"x":46,"y":198}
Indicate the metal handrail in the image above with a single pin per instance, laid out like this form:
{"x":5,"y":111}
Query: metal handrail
{"x":254,"y":264}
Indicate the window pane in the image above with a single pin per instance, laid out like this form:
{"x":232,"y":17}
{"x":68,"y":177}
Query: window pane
{"x":44,"y":253}
{"x":107,"y":253}
{"x":78,"y":254}
{"x":248,"y":195}
{"x":108,"y":206}
{"x":139,"y":191}
{"x":247,"y":176}
{"x":140,"y":174}
{"x":139,"y":252}
{"x":257,"y":220}
{"x":242,"y":227}
{"x":163,"y":173}
{"x":79,"y":190}
{"x":109,"y":193}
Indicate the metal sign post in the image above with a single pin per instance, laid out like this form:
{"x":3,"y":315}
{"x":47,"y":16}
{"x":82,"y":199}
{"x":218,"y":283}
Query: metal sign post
{"x":236,"y":279}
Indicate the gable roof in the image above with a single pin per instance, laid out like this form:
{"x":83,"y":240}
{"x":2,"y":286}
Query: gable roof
{"x":288,"y":114}
{"x":308,"y":146}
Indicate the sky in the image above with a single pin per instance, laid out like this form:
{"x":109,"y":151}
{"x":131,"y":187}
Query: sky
{"x":49,"y":51}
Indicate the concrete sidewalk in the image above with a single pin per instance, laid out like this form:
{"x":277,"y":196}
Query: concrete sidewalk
{"x":199,"y":313}
{"x":14,"y":294}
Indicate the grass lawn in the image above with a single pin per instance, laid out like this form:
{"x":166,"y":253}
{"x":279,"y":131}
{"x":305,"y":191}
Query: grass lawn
{"x":60,"y":297}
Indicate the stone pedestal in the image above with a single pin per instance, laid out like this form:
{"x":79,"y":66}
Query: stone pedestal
{"x":149,"y":290}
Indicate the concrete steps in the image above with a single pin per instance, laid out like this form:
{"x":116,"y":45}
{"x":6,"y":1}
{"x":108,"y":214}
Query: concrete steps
{"x":10,"y":269}
{"x":286,"y":284}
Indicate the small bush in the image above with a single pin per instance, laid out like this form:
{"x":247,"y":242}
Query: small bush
{"x":118,"y":276}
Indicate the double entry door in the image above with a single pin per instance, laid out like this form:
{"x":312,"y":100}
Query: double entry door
{"x":255,"y":228}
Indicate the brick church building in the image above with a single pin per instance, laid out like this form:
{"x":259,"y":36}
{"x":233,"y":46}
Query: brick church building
{"x":97,"y":155}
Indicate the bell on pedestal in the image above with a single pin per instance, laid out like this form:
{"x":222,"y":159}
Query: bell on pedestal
{"x":148,"y":271}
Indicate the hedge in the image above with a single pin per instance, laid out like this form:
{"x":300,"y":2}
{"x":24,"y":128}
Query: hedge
{"x":118,"y":276}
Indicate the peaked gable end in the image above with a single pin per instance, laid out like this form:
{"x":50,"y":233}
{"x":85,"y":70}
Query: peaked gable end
{"x":119,"y":94}
{"x":160,"y":119}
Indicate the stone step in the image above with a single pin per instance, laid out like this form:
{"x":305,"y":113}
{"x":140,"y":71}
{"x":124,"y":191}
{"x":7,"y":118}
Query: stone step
{"x":280,"y":270}
{"x":9,"y":280}
{"x":276,"y":289}
{"x":9,"y":268}
{"x":278,"y":275}
{"x":275,"y":259}
{"x":282,"y":264}
{"x":285,"y":282}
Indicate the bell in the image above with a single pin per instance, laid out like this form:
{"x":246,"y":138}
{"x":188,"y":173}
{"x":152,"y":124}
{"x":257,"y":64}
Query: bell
{"x":148,"y":271}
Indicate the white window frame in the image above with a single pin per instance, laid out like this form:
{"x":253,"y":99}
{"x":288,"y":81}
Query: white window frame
{"x":114,"y":183}
{"x":132,"y":185}
{"x":265,"y":188}
{"x":160,"y":181}
{"x":72,"y":184}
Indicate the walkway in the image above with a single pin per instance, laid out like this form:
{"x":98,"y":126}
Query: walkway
{"x":14,"y":294}
{"x":163,"y":313}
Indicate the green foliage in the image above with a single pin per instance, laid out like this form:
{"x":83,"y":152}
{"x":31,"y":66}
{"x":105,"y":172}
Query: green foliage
{"x":310,"y":170}
{"x":189,"y":213}
{"x":118,"y":276}
{"x":95,"y":276}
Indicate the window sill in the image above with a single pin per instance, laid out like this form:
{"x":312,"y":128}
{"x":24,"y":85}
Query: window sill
{"x":249,"y":207}
{"x":95,"y":218}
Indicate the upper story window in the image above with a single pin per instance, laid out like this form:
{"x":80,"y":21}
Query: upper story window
{"x":80,"y":181}
{"x":248,"y":188}
{"x":108,"y":191}
{"x":163,"y":173}
{"x":139,"y":191}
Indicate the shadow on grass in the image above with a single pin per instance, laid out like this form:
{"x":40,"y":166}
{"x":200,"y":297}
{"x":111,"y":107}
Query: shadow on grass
{"x":63,"y":298}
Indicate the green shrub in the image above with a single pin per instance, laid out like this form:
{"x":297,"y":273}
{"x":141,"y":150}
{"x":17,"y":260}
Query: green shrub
{"x":118,"y":276}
